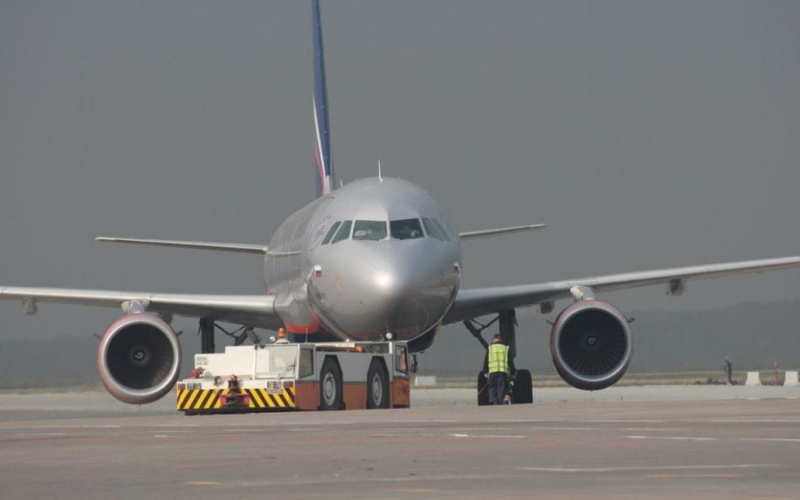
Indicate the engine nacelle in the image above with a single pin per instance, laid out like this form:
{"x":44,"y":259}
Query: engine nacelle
{"x":591,"y":344}
{"x":139,"y":358}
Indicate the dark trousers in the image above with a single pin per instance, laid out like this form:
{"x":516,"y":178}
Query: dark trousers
{"x":497,"y":387}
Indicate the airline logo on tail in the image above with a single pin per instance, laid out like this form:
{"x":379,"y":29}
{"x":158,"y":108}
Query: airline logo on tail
{"x":322,"y":144}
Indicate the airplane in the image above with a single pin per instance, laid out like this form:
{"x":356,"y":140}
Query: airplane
{"x":374,"y":259}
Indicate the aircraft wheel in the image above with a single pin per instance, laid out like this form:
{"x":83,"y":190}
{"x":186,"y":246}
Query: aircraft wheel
{"x":523,"y":388}
{"x":377,"y":386}
{"x":330,"y":386}
{"x":483,"y":390}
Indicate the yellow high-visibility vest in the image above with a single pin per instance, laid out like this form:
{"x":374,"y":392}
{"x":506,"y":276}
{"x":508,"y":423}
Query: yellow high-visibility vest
{"x":498,"y":358}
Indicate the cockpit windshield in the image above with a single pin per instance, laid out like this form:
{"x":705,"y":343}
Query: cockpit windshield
{"x":331,"y":232}
{"x":406,"y":229}
{"x":442,"y":230}
{"x":343,"y":233}
{"x":431,"y":229}
{"x":369,"y":230}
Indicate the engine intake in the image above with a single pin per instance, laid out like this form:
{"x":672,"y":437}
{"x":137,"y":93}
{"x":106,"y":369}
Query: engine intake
{"x":591,"y":344}
{"x":139,"y":358}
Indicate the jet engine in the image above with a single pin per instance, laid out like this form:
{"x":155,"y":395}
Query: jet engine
{"x":591,"y":344}
{"x":139,"y":358}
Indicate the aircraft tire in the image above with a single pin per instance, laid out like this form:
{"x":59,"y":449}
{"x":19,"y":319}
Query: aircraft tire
{"x":523,"y":388}
{"x":483,"y":390}
{"x":330,"y":386}
{"x":377,"y":386}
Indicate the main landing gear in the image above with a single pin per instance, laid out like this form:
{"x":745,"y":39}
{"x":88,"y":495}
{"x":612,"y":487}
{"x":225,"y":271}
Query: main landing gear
{"x":208,"y":327}
{"x":521,"y":384}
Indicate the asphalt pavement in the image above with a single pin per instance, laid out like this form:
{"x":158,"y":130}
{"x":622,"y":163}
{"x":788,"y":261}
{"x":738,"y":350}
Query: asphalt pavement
{"x":629,"y":442}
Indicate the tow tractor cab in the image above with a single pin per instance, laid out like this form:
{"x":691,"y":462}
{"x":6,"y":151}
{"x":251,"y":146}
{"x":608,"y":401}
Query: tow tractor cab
{"x":297,"y":376}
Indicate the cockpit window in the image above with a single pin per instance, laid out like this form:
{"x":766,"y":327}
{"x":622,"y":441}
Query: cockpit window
{"x":406,"y":229}
{"x":369,"y":230}
{"x":441,"y":229}
{"x":331,"y":232}
{"x":343,"y":233}
{"x":431,"y":229}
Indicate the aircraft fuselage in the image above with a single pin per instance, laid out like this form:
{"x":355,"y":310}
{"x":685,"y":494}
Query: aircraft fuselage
{"x":376,"y":256}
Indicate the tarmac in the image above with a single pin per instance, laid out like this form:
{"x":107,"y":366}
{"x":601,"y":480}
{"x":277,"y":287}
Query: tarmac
{"x":624,"y":442}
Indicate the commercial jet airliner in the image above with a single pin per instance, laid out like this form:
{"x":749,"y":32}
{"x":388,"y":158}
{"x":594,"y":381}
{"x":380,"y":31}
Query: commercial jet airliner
{"x":374,"y":259}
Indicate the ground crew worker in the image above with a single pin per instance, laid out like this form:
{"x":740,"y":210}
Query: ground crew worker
{"x":282,"y":336}
{"x":729,"y":371}
{"x":499,"y":370}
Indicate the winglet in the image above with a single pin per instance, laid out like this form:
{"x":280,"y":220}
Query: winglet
{"x":473,"y":235}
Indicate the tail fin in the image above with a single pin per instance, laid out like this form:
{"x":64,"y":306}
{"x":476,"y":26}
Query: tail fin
{"x":322,"y":144}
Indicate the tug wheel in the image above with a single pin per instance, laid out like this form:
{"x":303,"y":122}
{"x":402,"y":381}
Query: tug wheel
{"x":377,"y":386}
{"x":330,"y":386}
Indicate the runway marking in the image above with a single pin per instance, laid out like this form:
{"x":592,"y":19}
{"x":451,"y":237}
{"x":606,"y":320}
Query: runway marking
{"x":500,"y":436}
{"x":414,"y":490}
{"x":568,"y":428}
{"x":396,"y":421}
{"x":487,"y":436}
{"x":673,"y":438}
{"x":734,"y":420}
{"x":308,"y":480}
{"x":485,"y":427}
{"x":203,"y":483}
{"x":39,"y":434}
{"x":626,"y":421}
{"x":102,"y":426}
{"x":652,"y":429}
{"x":173,"y":425}
{"x":684,"y":476}
{"x":268,"y":430}
{"x":779,"y":440}
{"x":653,"y":468}
{"x":526,"y":421}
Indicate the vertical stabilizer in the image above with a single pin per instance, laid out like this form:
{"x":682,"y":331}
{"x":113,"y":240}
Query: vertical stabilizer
{"x":322,"y":142}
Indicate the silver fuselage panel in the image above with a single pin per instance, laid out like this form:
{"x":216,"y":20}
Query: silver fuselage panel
{"x":362,"y":289}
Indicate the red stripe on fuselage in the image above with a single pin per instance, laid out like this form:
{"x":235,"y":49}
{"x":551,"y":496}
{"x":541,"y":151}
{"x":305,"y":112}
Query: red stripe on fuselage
{"x":303,"y":329}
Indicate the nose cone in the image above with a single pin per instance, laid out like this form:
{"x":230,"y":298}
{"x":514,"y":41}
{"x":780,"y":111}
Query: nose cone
{"x":392,"y":286}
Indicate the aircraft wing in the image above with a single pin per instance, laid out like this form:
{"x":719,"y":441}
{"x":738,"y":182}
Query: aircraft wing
{"x":199,"y":245}
{"x":502,"y":231}
{"x":250,"y":310}
{"x":471,"y":303}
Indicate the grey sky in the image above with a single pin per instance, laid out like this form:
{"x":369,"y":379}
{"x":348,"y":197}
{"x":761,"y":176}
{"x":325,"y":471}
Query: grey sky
{"x":646,"y":134}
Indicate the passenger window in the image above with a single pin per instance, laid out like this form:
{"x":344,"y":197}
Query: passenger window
{"x":431,"y":229}
{"x":343,"y":233}
{"x":369,"y":230}
{"x":441,"y":229}
{"x":406,"y":229}
{"x":331,"y":232}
